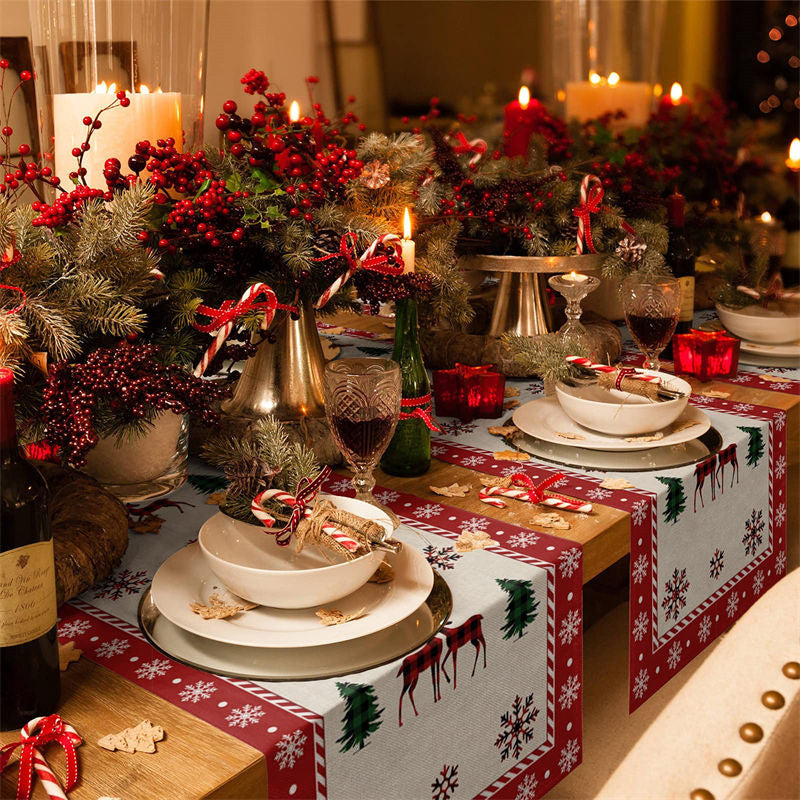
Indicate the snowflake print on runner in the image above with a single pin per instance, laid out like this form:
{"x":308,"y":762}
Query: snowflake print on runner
{"x":428,"y":510}
{"x":569,"y":692}
{"x":195,"y":692}
{"x":675,"y":598}
{"x":569,"y":756}
{"x":244,"y":715}
{"x":516,"y":727}
{"x":569,"y":561}
{"x":153,"y":669}
{"x":438,"y":450}
{"x":674,"y":655}
{"x":704,"y":629}
{"x":570,"y":626}
{"x":340,"y":487}
{"x":780,"y":563}
{"x":441,"y":557}
{"x":758,"y":582}
{"x":598,"y":494}
{"x":523,"y":539}
{"x":386,"y":497}
{"x":780,"y":467}
{"x":780,"y":514}
{"x":114,"y":647}
{"x":640,"y":684}
{"x":457,"y":427}
{"x":753,"y":537}
{"x":716,"y":564}
{"x":527,"y":788}
{"x":476,"y":524}
{"x":780,"y":421}
{"x":740,"y":379}
{"x":473,"y":461}
{"x":639,"y":569}
{"x":289,"y":749}
{"x":733,"y":604}
{"x":639,"y":512}
{"x":122,"y":583}
{"x":445,"y":783}
{"x":742,"y":407}
{"x":701,"y":400}
{"x":640,"y":626}
{"x":73,"y":628}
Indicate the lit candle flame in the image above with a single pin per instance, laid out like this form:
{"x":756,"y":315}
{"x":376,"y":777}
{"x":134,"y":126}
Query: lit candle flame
{"x":406,"y":224}
{"x":766,"y":217}
{"x":794,"y":151}
{"x":675,"y":93}
{"x":101,"y":88}
{"x":159,"y":90}
{"x":594,"y":78}
{"x":294,"y":111}
{"x":144,"y":88}
{"x":613,"y":79}
{"x":524,"y":97}
{"x":658,"y":90}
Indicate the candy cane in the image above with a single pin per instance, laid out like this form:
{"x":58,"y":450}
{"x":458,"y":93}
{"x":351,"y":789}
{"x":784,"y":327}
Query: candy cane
{"x":589,"y":364}
{"x":590,"y":204}
{"x":487,"y":496}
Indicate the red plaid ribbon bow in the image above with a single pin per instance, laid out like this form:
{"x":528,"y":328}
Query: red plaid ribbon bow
{"x":307,"y":490}
{"x":50,"y":729}
{"x":422,"y":410}
{"x":368,"y":260}
{"x":591,"y":202}
{"x":536,"y":492}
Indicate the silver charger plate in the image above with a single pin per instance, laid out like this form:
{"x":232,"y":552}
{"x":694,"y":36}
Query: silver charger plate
{"x":677,"y":455}
{"x":303,"y":663}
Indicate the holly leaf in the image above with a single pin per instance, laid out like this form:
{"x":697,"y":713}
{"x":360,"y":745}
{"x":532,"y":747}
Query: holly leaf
{"x":203,"y":186}
{"x":234,"y":182}
{"x":250,"y":214}
{"x":262,"y":181}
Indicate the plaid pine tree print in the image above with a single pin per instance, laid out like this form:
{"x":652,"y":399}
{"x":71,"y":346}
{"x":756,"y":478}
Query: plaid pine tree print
{"x":755,"y":444}
{"x":521,"y":608}
{"x":362,"y":716}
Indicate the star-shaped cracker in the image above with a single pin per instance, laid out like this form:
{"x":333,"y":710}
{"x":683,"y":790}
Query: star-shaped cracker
{"x":67,"y":653}
{"x":511,"y":391}
{"x":715,"y":393}
{"x":332,"y":616}
{"x":510,"y":455}
{"x":470,"y":540}
{"x":141,"y":739}
{"x":550,"y":519}
{"x":616,"y":483}
{"x":569,"y":435}
{"x":504,"y":430}
{"x":216,"y":499}
{"x":650,"y":437}
{"x":220,"y":608}
{"x":453,"y":490}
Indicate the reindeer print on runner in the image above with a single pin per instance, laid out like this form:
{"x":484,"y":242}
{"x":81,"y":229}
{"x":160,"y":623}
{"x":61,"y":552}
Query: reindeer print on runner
{"x":705,"y":469}
{"x":469,"y":631}
{"x":727,"y":456}
{"x":425,"y":658}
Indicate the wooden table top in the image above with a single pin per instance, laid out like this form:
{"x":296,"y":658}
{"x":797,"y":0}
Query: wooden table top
{"x":196,"y":760}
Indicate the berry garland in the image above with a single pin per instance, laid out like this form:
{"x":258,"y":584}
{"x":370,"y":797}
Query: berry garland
{"x":130,"y":382}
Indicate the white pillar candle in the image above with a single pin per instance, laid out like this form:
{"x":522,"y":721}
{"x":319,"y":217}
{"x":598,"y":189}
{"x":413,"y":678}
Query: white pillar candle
{"x":574,"y":277}
{"x":150,"y":116}
{"x":590,"y":99}
{"x":407,"y":245}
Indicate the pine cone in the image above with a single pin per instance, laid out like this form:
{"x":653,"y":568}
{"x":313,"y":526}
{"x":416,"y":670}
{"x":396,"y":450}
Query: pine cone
{"x":326,"y":241}
{"x":248,"y":478}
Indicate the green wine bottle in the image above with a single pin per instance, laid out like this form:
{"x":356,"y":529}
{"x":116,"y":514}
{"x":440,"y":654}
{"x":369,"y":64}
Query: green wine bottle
{"x":409,"y":452}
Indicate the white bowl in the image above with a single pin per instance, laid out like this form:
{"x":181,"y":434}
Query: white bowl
{"x":248,"y":560}
{"x":761,"y":325}
{"x":620,"y":413}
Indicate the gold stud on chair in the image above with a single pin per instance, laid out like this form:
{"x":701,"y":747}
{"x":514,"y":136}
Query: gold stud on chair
{"x":701,"y":794}
{"x":729,"y":767}
{"x":751,"y":732}
{"x":773,"y":700}
{"x":791,"y":669}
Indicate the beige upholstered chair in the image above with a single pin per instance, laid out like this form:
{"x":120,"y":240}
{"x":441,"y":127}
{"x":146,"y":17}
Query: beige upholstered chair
{"x":727,"y":726}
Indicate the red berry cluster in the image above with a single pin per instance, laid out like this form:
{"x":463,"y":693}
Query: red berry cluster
{"x":255,"y":82}
{"x":130,"y":381}
{"x":64,"y":207}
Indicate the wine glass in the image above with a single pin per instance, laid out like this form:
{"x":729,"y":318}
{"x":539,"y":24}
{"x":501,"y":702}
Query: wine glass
{"x":362,"y":403}
{"x":651,"y":308}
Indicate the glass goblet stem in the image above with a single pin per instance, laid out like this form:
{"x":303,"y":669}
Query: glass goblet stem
{"x":363,"y":482}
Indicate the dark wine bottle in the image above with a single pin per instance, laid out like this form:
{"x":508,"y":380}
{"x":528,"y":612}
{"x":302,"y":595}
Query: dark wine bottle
{"x":681,"y":260}
{"x":409,"y":452}
{"x":30,"y":681}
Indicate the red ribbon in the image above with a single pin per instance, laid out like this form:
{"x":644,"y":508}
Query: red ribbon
{"x":231,"y":310}
{"x":307,"y":490}
{"x":422,"y":410}
{"x":6,"y":262}
{"x":536,"y":492}
{"x":594,"y":200}
{"x":347,"y":248}
{"x":622,"y":372}
{"x":51,"y":729}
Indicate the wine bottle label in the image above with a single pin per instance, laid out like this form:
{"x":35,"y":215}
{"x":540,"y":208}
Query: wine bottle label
{"x":687,"y":298}
{"x":27,"y":593}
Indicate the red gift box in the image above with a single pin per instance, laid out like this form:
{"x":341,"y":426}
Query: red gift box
{"x":706,"y":354}
{"x":468,"y":392}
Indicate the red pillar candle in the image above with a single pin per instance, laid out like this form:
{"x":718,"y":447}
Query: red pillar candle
{"x":520,"y":122}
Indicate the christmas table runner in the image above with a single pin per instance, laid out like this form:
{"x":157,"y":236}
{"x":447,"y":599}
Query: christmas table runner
{"x":490,"y":707}
{"x":706,"y":539}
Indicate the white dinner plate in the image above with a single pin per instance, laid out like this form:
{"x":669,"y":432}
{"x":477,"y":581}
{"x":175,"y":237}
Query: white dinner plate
{"x":544,"y":419}
{"x":185,"y":578}
{"x":788,"y":350}
{"x":305,"y":663}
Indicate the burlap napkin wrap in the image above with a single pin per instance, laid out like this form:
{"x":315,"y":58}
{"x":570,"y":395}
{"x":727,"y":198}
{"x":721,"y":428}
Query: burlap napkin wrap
{"x":608,"y":380}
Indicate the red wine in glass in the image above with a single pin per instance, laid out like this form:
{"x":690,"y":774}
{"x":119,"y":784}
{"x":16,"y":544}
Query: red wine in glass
{"x":652,"y":333}
{"x":361,"y":437}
